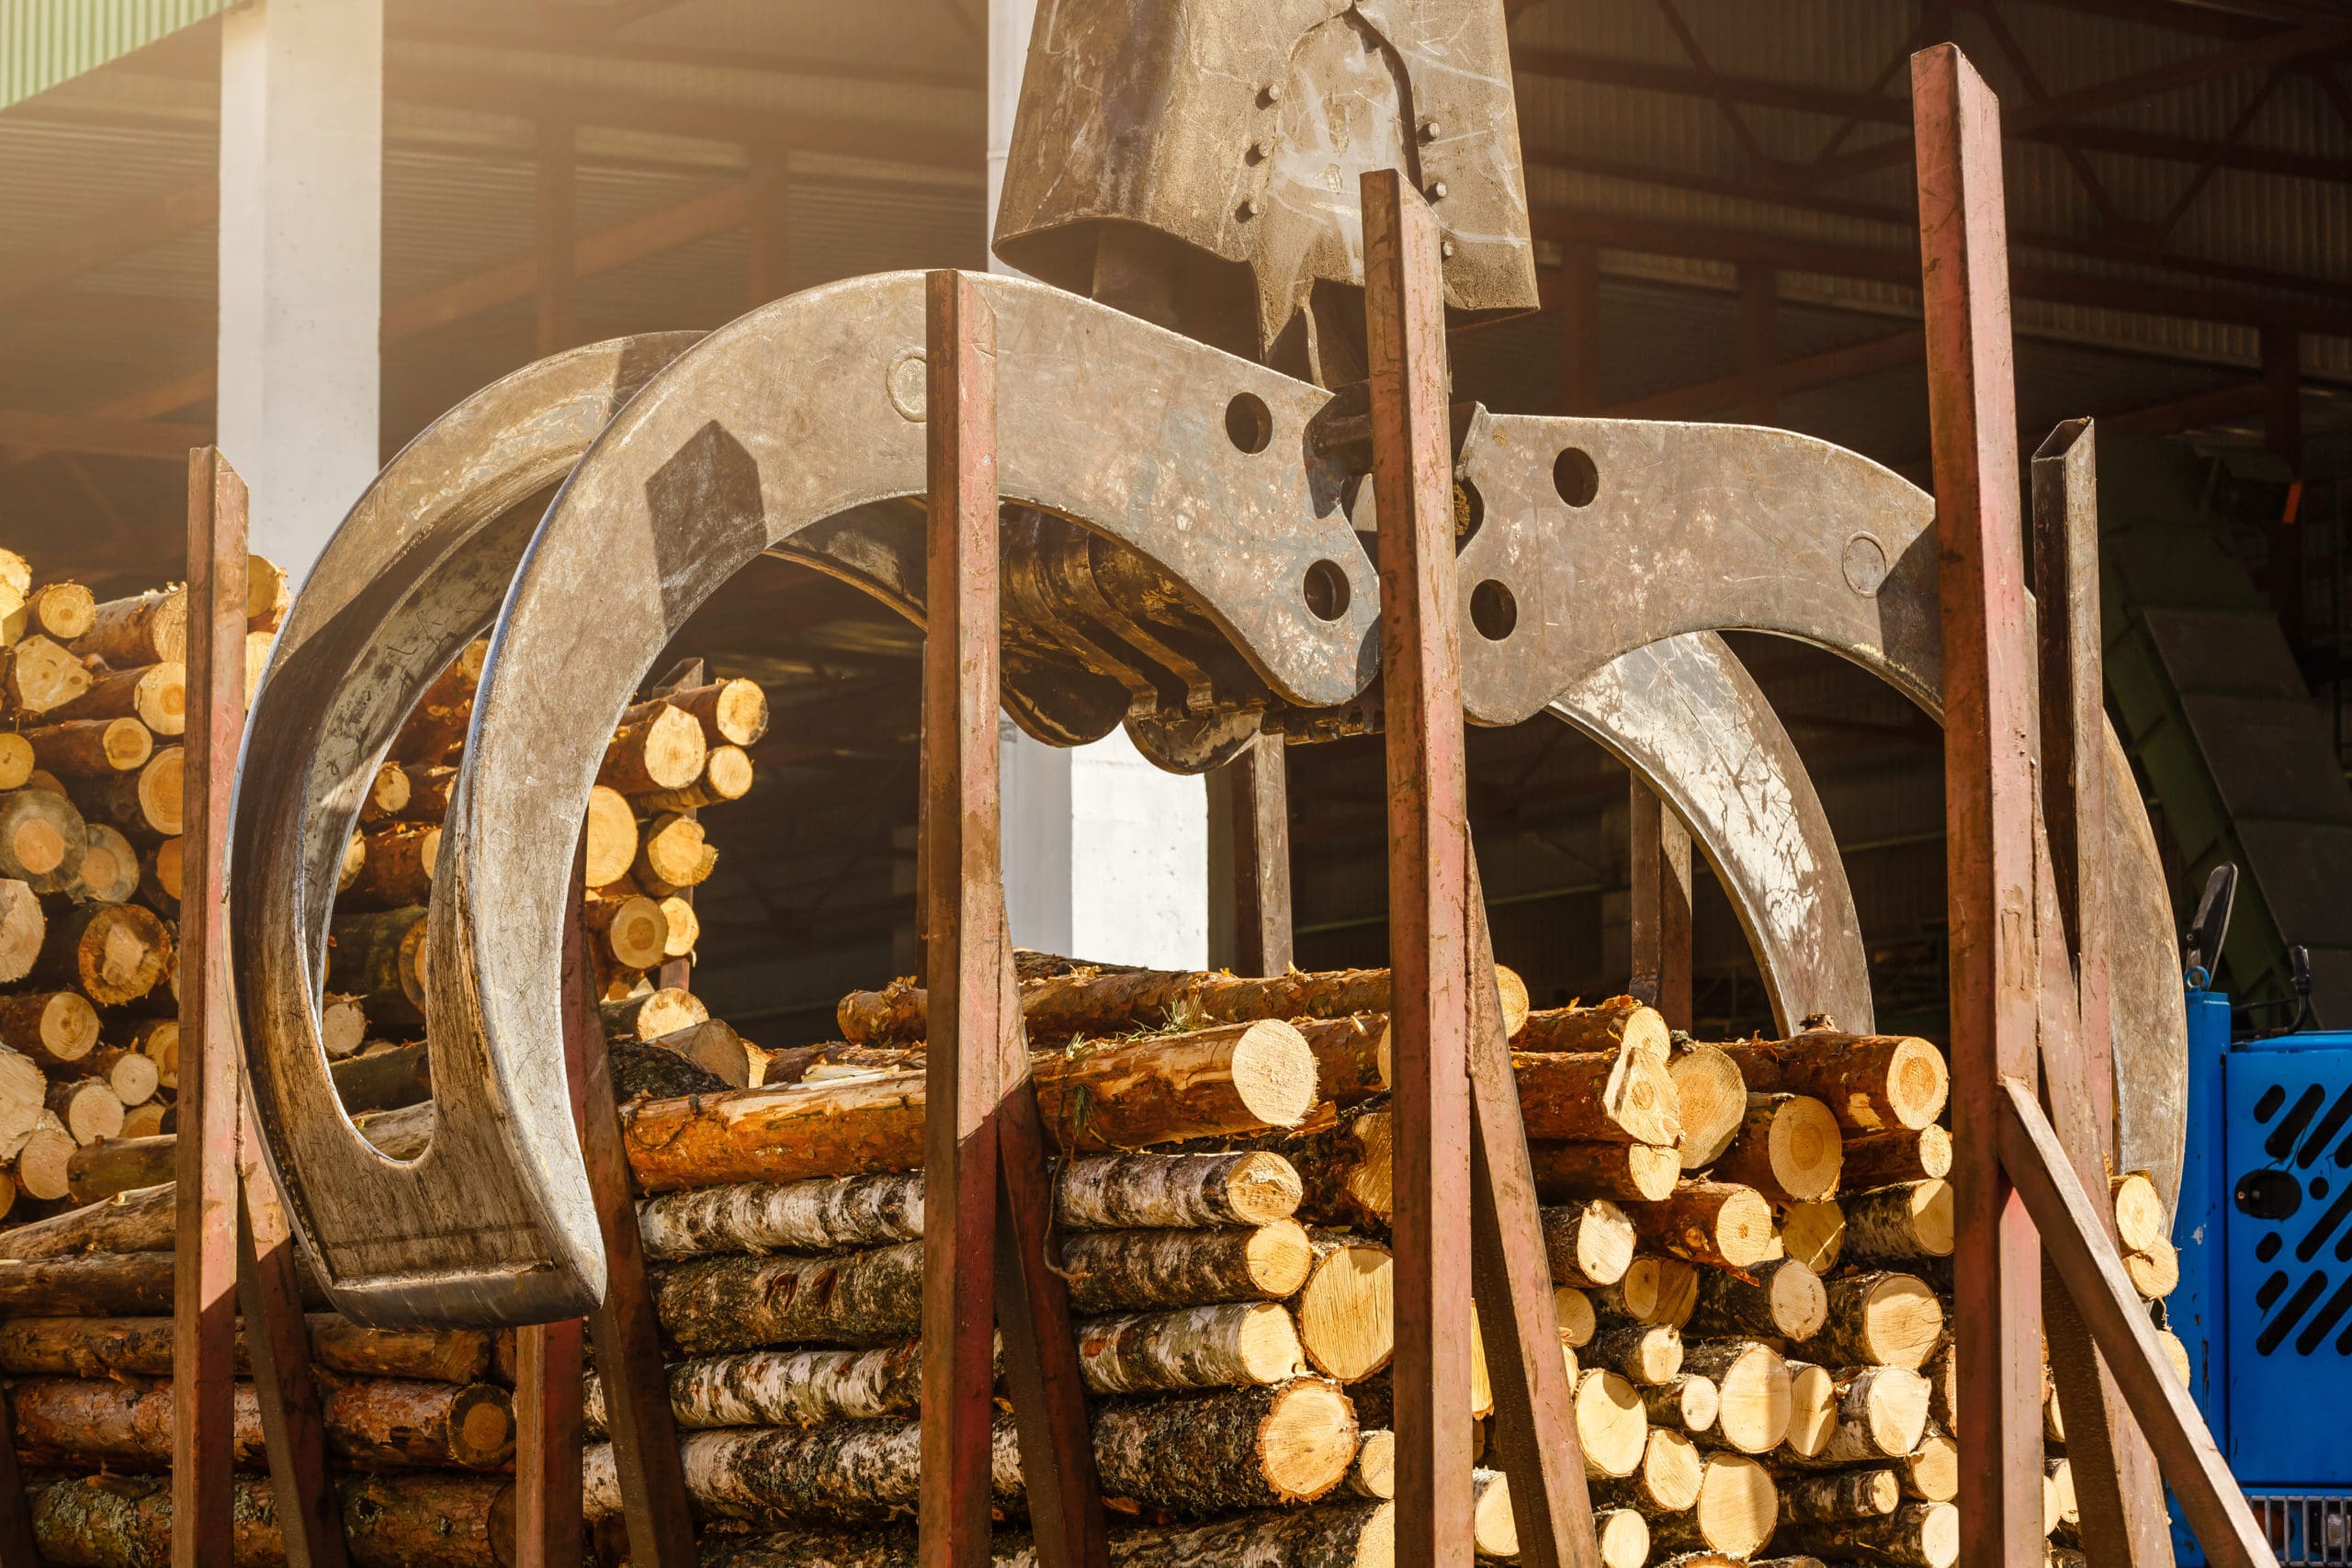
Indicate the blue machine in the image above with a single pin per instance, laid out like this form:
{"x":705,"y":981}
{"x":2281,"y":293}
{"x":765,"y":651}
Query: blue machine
{"x":2265,"y":1302}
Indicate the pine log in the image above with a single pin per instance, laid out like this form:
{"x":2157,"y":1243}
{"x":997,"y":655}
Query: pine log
{"x":671,"y":854}
{"x":1717,"y":1223}
{"x":715,"y":1047}
{"x":783,"y":1388}
{"x":1229,"y":1345}
{"x":726,"y":774}
{"x":109,"y":867}
{"x":1737,"y":1511}
{"x":42,"y":677}
{"x":438,"y":720}
{"x":384,"y":1080}
{"x":144,"y":628}
{"x":728,"y":712}
{"x":1881,"y":1415}
{"x":661,"y":746}
{"x":122,"y":1164}
{"x":1903,"y":1224}
{"x":1840,"y":1496}
{"x":1347,"y":1322}
{"x":1917,"y":1535}
{"x":158,"y":1040}
{"x":1373,"y":1474}
{"x":1884,"y":1159}
{"x":1788,"y":1147}
{"x":1625,"y":1537}
{"x":681,"y":928}
{"x":1930,"y":1473}
{"x":159,"y":875}
{"x":1612,"y":1425}
{"x":42,"y":839}
{"x":343,"y":1025}
{"x":23,"y":1094}
{"x":61,"y":610}
{"x":1344,"y":1170}
{"x":1142,"y":1269}
{"x":2140,"y":1218}
{"x":112,"y":954}
{"x":379,"y":958}
{"x":1625,"y":1173}
{"x":1813,"y":1409}
{"x":147,"y":806}
{"x":1572,"y":1309}
{"x":1096,"y":1002}
{"x":1872,"y":1083}
{"x":425,"y":796}
{"x":1752,"y":1392}
{"x":89,"y":1108}
{"x":1879,"y":1319}
{"x":147,"y":1119}
{"x":1666,"y":1480}
{"x":2175,"y":1355}
{"x":23,"y":926}
{"x":2155,"y":1272}
{"x":15,"y":758}
{"x":1494,"y":1534}
{"x":57,"y":1029}
{"x":1619,"y":1022}
{"x":1351,"y":1056}
{"x":822,"y":1215}
{"x":398,"y":870}
{"x":414,"y":1520}
{"x":1684,"y":1403}
{"x":1778,"y":1300}
{"x":633,"y":931}
{"x":1240,"y":1448}
{"x":738,"y":1303}
{"x":1711,"y":1100}
{"x":1814,"y":1234}
{"x":1648,"y":1356}
{"x":387,"y":795}
{"x":1624,"y":1095}
{"x":1588,"y":1243}
{"x":1655,"y":1290}
{"x":91,"y":748}
{"x":371,"y":1423}
{"x":44,"y":1158}
{"x":2059,"y":1474}
{"x":1216,"y":1083}
{"x":651,"y":1014}
{"x":611,"y":827}
{"x":1173,"y":1191}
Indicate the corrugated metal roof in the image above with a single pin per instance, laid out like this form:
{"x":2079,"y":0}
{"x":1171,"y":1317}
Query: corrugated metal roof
{"x":43,"y":42}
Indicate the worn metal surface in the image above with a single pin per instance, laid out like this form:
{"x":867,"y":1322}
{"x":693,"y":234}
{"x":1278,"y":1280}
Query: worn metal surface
{"x":1239,"y":133}
{"x":469,"y":1231}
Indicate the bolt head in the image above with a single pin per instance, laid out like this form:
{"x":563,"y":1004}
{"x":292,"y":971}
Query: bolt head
{"x":1445,"y":249}
{"x":1271,"y":93}
{"x":1249,"y":208}
{"x":1437,"y":190}
{"x":1261,"y":150}
{"x":1428,"y":130}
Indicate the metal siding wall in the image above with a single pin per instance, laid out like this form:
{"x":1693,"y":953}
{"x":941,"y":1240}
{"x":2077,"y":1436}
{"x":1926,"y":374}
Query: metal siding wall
{"x":43,"y":42}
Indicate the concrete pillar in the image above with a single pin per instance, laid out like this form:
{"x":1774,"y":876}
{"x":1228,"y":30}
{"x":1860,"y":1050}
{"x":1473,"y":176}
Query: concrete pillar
{"x":1105,"y":856}
{"x":302,"y":229}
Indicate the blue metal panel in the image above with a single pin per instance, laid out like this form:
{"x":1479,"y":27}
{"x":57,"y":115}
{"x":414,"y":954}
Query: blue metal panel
{"x":2288,"y":1257}
{"x":2200,"y":1220}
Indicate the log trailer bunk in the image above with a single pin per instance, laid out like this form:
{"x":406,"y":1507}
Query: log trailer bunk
{"x":1149,"y":529}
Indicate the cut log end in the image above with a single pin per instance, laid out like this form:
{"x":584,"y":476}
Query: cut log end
{"x":1610,"y":1423}
{"x":1347,"y":1320}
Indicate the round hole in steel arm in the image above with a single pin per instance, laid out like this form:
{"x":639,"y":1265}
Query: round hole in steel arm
{"x":1575,"y":476}
{"x":1327,"y":590}
{"x":1247,"y":423}
{"x":1493,"y":610}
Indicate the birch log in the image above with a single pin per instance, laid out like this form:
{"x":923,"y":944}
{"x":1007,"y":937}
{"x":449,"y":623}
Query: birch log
{"x":1666,"y":1482}
{"x":1881,"y":1415}
{"x":1879,"y":1319}
{"x":1230,"y":1344}
{"x":1788,"y":1147}
{"x":1174,"y":1192}
{"x":735,"y":1304}
{"x":1141,"y":1270}
{"x":1781,"y":1299}
{"x":783,"y":1388}
{"x":1752,"y":1392}
{"x":846,"y":1471}
{"x":1249,"y":1449}
{"x":1903,"y":1224}
{"x":819,"y":1215}
{"x":1917,"y":1535}
{"x":1625,"y":1173}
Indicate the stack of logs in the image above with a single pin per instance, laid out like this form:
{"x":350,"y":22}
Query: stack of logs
{"x":94,"y":698}
{"x":1750,"y":1245}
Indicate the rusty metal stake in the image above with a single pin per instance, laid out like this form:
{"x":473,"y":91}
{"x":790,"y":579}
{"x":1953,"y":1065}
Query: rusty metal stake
{"x":987,"y":1202}
{"x":1461,"y":1146}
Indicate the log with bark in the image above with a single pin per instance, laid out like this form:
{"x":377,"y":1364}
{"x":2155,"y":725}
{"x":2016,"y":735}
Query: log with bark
{"x":729,"y":713}
{"x":159,"y":877}
{"x":91,"y":748}
{"x":154,"y":694}
{"x":1351,"y":1056}
{"x":384,"y":1080}
{"x":44,"y":1158}
{"x":2140,"y":1219}
{"x":1788,"y":1147}
{"x":1881,"y":1415}
{"x":1347,"y":1320}
{"x":1648,"y":1357}
{"x":42,"y":839}
{"x":738,"y":1304}
{"x":1609,"y":1096}
{"x":726,"y":774}
{"x":1917,"y":1535}
{"x":1572,"y":1309}
{"x":1814,"y":1234}
{"x":1781,"y":1299}
{"x":57,"y":1029}
{"x":1840,"y":1496}
{"x":1721,"y":1224}
{"x":1094,"y":1002}
{"x":1930,"y":1473}
{"x":1612,"y":1425}
{"x":1228,"y":1345}
{"x":371,"y":1424}
{"x":24,"y":1091}
{"x":1135,"y":1270}
{"x":1884,"y":1159}
{"x":1373,"y":1474}
{"x":671,"y":854}
{"x":1344,"y":1170}
{"x":1252,"y":1186}
{"x":15,"y":758}
{"x":631,"y":932}
{"x":89,"y":1108}
{"x":148,"y":806}
{"x":1625,"y":1173}
{"x":784,"y":1388}
{"x":42,"y":676}
{"x":651,"y":1014}
{"x":1684,"y":1403}
{"x":60,"y":610}
{"x":413,"y":1520}
{"x":1619,"y":1022}
{"x":1751,"y":1383}
{"x":437,"y":722}
{"x":657,"y":746}
{"x":1872,"y":1083}
{"x":1240,"y":1448}
{"x":388,"y":795}
{"x":109,"y":867}
{"x":611,"y":829}
{"x":379,"y":958}
{"x":1219,"y":1082}
{"x":1738,"y":1508}
{"x":1903,"y":1224}
{"x":1588,"y":1243}
{"x":22,"y":927}
{"x":112,"y":954}
{"x":137,"y":1221}
{"x":1666,"y":1482}
{"x":398,"y":870}
{"x":819,"y":1215}
{"x":2154,"y":1272}
{"x":1879,"y":1319}
{"x":141,"y":628}
{"x":1712,"y":1100}
{"x":1655,"y":1290}
{"x":1813,"y":1409}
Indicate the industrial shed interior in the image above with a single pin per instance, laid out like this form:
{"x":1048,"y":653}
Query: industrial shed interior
{"x":307,"y":230}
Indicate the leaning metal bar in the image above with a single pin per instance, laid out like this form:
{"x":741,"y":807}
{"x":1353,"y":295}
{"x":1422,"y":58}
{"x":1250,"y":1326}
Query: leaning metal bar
{"x":1989,"y":731}
{"x":2121,"y":1495}
{"x":984,"y":1229}
{"x":1412,"y":473}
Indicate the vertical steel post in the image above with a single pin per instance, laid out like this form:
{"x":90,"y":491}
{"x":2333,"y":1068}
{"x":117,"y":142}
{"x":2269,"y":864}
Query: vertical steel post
{"x":1658,"y":913}
{"x":549,"y":1531}
{"x":1990,"y":729}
